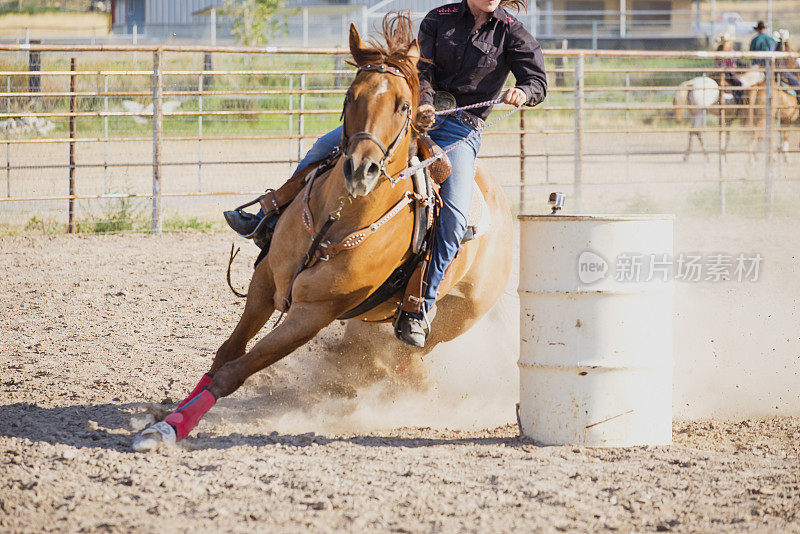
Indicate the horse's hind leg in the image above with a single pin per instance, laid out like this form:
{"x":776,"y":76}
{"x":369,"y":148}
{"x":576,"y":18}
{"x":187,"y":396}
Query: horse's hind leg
{"x":257,"y":310}
{"x":688,"y":148}
{"x":301,"y":324}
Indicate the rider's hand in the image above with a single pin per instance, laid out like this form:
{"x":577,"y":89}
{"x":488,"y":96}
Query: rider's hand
{"x":515,"y":96}
{"x":426,"y":115}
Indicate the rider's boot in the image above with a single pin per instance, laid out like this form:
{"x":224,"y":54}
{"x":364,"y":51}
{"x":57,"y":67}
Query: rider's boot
{"x":260,"y":227}
{"x":413,"y":328}
{"x":243,"y":223}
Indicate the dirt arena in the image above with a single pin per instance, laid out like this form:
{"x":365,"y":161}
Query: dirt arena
{"x":94,"y":327}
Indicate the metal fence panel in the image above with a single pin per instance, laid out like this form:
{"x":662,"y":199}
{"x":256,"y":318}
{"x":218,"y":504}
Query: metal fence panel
{"x":231,"y":121}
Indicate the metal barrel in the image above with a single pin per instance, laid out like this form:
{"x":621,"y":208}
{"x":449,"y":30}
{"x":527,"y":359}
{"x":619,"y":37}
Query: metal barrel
{"x":596,"y":335}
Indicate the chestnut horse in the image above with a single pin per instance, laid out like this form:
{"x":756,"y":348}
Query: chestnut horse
{"x":378,"y":103}
{"x":785,"y":107}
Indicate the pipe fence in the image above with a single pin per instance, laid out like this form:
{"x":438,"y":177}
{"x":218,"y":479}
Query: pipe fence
{"x":94,"y":135}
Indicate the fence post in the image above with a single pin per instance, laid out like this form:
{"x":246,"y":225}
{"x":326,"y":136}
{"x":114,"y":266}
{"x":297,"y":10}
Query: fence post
{"x":34,"y":65}
{"x":721,"y":153}
{"x":106,"y":185}
{"x":522,"y":160}
{"x":290,"y":116}
{"x":8,"y":145}
{"x":578,"y":112}
{"x":157,"y":127}
{"x":208,"y":66}
{"x":768,"y":193}
{"x":199,"y":132}
{"x":301,"y":119}
{"x":559,"y":64}
{"x":72,"y":127}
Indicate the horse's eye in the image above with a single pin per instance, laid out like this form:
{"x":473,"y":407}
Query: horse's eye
{"x":405,"y":107}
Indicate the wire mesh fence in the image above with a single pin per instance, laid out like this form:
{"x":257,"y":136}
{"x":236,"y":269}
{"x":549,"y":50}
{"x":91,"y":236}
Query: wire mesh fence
{"x":121,"y":138}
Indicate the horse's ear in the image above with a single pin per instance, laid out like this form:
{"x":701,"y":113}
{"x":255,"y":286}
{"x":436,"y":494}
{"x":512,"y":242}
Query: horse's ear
{"x":356,"y":42}
{"x":413,"y":52}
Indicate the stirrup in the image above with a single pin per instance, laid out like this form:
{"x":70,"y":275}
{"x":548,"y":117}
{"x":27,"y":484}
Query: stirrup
{"x":261,"y":225}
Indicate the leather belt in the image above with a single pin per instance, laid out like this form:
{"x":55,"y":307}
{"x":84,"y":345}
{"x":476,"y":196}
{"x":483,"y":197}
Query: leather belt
{"x":476,"y":123}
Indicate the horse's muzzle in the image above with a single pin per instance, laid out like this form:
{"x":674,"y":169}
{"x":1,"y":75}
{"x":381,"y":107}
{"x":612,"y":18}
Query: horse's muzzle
{"x":360,"y":175}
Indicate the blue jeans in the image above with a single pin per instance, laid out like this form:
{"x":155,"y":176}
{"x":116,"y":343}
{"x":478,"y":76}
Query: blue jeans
{"x":456,"y":192}
{"x":792,"y":82}
{"x":321,"y":148}
{"x":456,"y":195}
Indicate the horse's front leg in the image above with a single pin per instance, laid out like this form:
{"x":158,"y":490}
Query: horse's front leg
{"x":302,"y":323}
{"x":785,"y":147}
{"x":726,"y":141}
{"x":257,"y":310}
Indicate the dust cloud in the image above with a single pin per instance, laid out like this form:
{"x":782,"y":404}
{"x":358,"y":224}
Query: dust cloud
{"x":469,"y":383}
{"x":736,"y":347}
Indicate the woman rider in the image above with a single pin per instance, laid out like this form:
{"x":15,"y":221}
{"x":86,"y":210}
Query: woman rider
{"x":729,"y":77}
{"x":471,"y":47}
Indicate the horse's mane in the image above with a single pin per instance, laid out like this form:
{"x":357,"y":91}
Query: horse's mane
{"x":398,"y":33}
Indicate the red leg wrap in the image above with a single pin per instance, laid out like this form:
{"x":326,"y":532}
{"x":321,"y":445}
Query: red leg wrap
{"x":186,"y":418}
{"x":204,"y":381}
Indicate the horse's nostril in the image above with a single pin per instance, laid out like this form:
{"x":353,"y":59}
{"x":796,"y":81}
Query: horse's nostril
{"x":373,"y":169}
{"x":347,"y":167}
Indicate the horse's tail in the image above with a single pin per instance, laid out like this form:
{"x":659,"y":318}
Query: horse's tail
{"x":681,"y":99}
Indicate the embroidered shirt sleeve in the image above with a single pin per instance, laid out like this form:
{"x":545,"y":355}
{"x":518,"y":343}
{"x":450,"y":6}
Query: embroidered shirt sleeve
{"x":524,"y":57}
{"x":427,"y":48}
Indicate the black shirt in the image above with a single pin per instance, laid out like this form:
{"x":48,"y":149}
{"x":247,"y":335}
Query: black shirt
{"x":474,"y":66}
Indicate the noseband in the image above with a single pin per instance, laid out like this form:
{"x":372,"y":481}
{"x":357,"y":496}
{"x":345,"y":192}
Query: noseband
{"x":388,"y":152}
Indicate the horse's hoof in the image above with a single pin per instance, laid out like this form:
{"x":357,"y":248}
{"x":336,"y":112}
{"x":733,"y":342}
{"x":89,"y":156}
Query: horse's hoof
{"x":154,"y":436}
{"x":140,"y":421}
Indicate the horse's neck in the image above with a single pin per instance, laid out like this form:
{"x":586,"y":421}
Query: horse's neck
{"x":365,"y":210}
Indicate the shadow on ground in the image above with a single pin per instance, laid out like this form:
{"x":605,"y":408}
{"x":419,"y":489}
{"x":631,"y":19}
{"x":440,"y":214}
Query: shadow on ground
{"x":106,"y":426}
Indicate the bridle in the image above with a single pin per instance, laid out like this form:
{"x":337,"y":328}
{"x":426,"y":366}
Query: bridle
{"x":388,"y":152}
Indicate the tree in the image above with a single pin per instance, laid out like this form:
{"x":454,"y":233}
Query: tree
{"x":255,"y":21}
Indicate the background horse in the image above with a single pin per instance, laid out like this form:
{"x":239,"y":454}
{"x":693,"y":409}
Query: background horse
{"x":785,"y":107}
{"x":378,"y":106}
{"x":700,"y":97}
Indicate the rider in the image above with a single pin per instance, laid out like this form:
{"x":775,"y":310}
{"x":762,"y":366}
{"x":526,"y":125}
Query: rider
{"x":725,"y":44}
{"x":468,"y":50}
{"x":762,"y":42}
{"x":782,"y":38}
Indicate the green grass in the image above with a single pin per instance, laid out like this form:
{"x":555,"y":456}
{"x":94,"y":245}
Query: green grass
{"x":114,"y":216}
{"x":177,"y":223}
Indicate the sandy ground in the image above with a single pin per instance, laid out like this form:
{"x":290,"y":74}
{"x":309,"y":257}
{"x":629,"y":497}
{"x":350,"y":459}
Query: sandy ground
{"x":92,"y":327}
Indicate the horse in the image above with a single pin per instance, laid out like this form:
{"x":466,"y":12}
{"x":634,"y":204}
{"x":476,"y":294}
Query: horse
{"x":701,"y":96}
{"x":376,"y":114}
{"x":785,"y":107}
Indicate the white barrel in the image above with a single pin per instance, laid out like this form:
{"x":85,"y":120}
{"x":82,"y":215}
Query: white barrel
{"x":596,"y":337}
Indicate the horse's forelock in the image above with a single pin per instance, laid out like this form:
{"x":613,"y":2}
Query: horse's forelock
{"x":398,"y":33}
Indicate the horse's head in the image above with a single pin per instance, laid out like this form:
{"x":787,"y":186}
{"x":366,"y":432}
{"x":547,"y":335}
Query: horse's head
{"x":380,"y":103}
